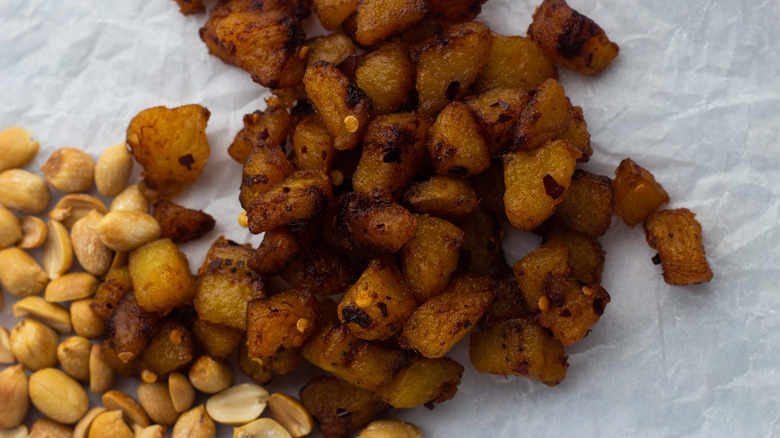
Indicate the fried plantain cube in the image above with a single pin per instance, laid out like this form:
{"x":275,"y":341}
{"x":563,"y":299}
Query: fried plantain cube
{"x":264,"y":167}
{"x":482,"y":252}
{"x":515,"y":62}
{"x":586,"y":256}
{"x":268,"y":127}
{"x":343,"y":106}
{"x":265,"y":43}
{"x":448,"y":65}
{"x":572,"y":39}
{"x":277,"y":251}
{"x":456,"y":10}
{"x":226,"y":284}
{"x":181,"y":224}
{"x":187,"y":7}
{"x":378,"y":304}
{"x":281,"y":322}
{"x":320,"y":270}
{"x":301,"y":197}
{"x":588,"y":204}
{"x":393,"y":152}
{"x":170,"y":350}
{"x":489,"y":187}
{"x":439,"y":323}
{"x":508,"y":303}
{"x":546,"y":116}
{"x":536,"y":182}
{"x":430,"y":258}
{"x":441,"y":197}
{"x":131,"y":328}
{"x":208,"y":33}
{"x":171,"y":145}
{"x":364,"y":364}
{"x":340,"y":408}
{"x":577,"y":135}
{"x":676,"y":235}
{"x":215,"y":340}
{"x":333,"y":48}
{"x":332,"y":13}
{"x":497,"y":111}
{"x":312,"y":145}
{"x":387,"y":77}
{"x":518,"y":347}
{"x":261,"y":371}
{"x":161,"y":276}
{"x":109,"y":293}
{"x":423,"y":381}
{"x":457,"y":144}
{"x":541,"y":270}
{"x":372,"y":222}
{"x":376,"y":20}
{"x":637,"y":194}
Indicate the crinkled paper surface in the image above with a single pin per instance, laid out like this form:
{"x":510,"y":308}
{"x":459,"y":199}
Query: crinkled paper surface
{"x":694,"y":97}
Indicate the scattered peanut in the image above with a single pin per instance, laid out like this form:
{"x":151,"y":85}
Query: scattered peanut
{"x":24,"y":191}
{"x":16,"y":148}
{"x":20,"y":274}
{"x":131,"y":410}
{"x":85,"y":322}
{"x":57,"y":250}
{"x":210,"y":376}
{"x":34,"y":232}
{"x":153,"y":431}
{"x":69,"y":287}
{"x":16,"y":432}
{"x":156,"y":400}
{"x":261,"y":428}
{"x":101,"y":375}
{"x":34,"y":344}
{"x":110,"y":424}
{"x":130,"y":198}
{"x":181,"y":391}
{"x":94,"y":256}
{"x":73,"y":207}
{"x":10,"y":228}
{"x":6,"y":355}
{"x":126,"y":230}
{"x":194,"y":423}
{"x":238,"y":405}
{"x":390,"y":429}
{"x":13,"y":393}
{"x":58,"y":396}
{"x":53,"y":315}
{"x":120,"y":260}
{"x":46,"y":428}
{"x":82,"y":427}
{"x":73,"y":355}
{"x":291,"y":414}
{"x":70,"y":170}
{"x":113,"y":169}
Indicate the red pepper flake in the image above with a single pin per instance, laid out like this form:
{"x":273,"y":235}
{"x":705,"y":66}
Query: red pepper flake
{"x":187,"y":161}
{"x":551,"y":186}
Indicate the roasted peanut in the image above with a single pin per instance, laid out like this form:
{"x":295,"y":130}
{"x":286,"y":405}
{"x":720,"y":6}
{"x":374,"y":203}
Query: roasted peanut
{"x":194,"y":423}
{"x":20,"y":274}
{"x":46,"y":428}
{"x":101,"y":375}
{"x":85,"y":322}
{"x":57,"y":250}
{"x":291,"y":414}
{"x":58,"y":396}
{"x":69,"y":287}
{"x":53,"y":315}
{"x":70,"y":170}
{"x":74,"y":207}
{"x":13,"y":393}
{"x":131,"y":410}
{"x":153,"y":431}
{"x":16,"y":432}
{"x":126,"y":230}
{"x":94,"y":256}
{"x":6,"y":354}
{"x":34,"y":232}
{"x":73,"y":355}
{"x":113,"y":169}
{"x":10,"y":228}
{"x":210,"y":376}
{"x":390,"y":429}
{"x":24,"y":191}
{"x":82,"y":427}
{"x":110,"y":424}
{"x":237,"y":405}
{"x":181,"y":391}
{"x":261,"y":428}
{"x":16,"y":148}
{"x":130,"y":198}
{"x":34,"y":344}
{"x":156,"y":400}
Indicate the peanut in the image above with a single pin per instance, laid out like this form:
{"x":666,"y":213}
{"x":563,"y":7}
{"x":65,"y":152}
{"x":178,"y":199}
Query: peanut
{"x":110,"y":424}
{"x":390,"y":429}
{"x":74,"y":207}
{"x":34,"y":232}
{"x":94,"y":256}
{"x":57,"y":250}
{"x":237,"y":405}
{"x":69,"y":287}
{"x":51,"y":314}
{"x":130,"y":198}
{"x":101,"y":375}
{"x":262,"y":428}
{"x":113,"y":169}
{"x":194,"y":423}
{"x":10,"y":228}
{"x":58,"y":396}
{"x":131,"y":410}
{"x":181,"y":391}
{"x":70,"y":170}
{"x":156,"y":400}
{"x":46,"y":428}
{"x":82,"y":427}
{"x":13,"y":393}
{"x":210,"y":376}
{"x":16,"y":148}
{"x":6,"y":355}
{"x":20,"y":274}
{"x":126,"y":230}
{"x":73,"y":355}
{"x":85,"y":322}
{"x":34,"y":344}
{"x":291,"y":414}
{"x":24,"y":191}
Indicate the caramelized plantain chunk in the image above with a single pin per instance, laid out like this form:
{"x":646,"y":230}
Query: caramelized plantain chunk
{"x":313,"y":145}
{"x":423,"y":381}
{"x":170,"y":350}
{"x":269,"y":127}
{"x":637,"y":194}
{"x":264,"y":167}
{"x":215,"y":340}
{"x":281,"y":322}
{"x":262,"y":370}
{"x":546,"y":116}
{"x":482,"y":253}
{"x":508,"y":303}
{"x":181,"y":224}
{"x":489,"y":187}
{"x":430,"y":258}
{"x":442,"y":197}
{"x":588,"y":204}
{"x":332,"y":13}
{"x":676,"y":235}
{"x":457,"y":143}
{"x":577,"y":135}
{"x":161,"y":276}
{"x":278,"y":250}
{"x":333,"y":48}
{"x":376,"y":20}
{"x":340,"y":408}
{"x":515,"y":62}
{"x":456,"y":10}
{"x":497,"y":111}
{"x":386,"y":75}
{"x":572,"y":39}
{"x":115,"y":285}
{"x":437,"y":325}
{"x":320,"y":270}
{"x":586,"y":257}
{"x":373,"y":222}
{"x":131,"y":328}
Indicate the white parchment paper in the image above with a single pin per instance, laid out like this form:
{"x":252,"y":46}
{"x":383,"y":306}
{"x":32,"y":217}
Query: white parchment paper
{"x":694,"y":97}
